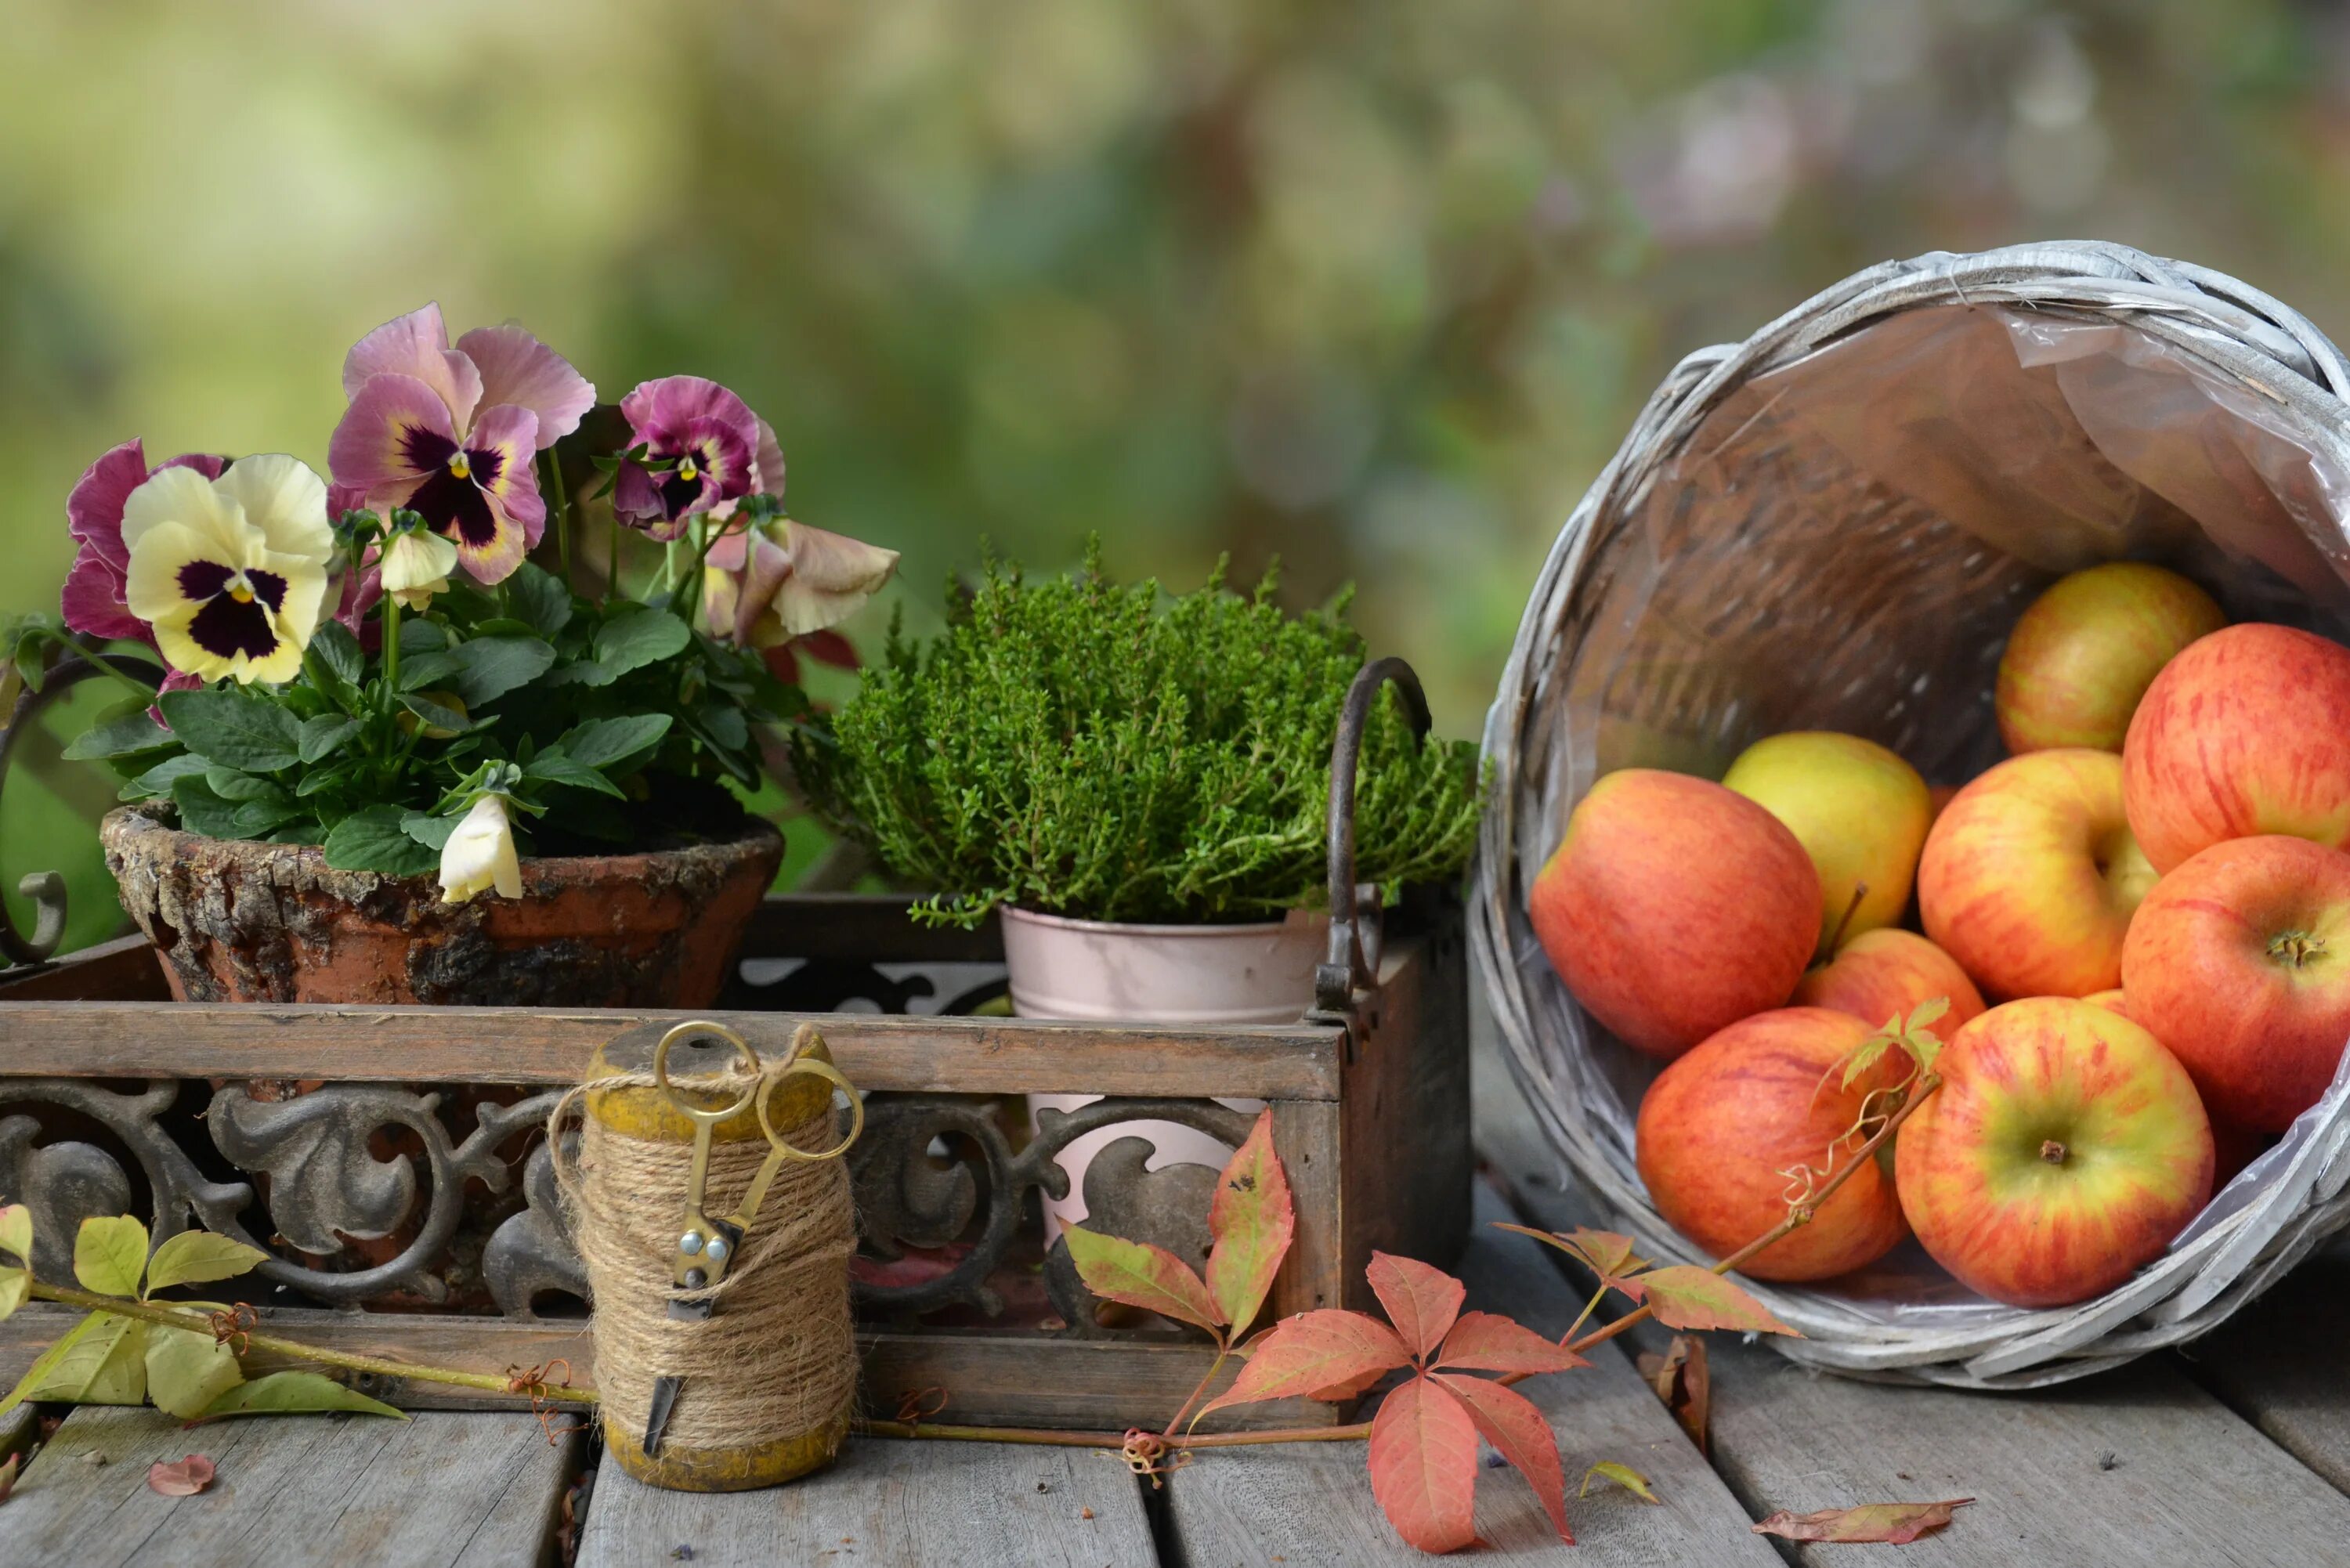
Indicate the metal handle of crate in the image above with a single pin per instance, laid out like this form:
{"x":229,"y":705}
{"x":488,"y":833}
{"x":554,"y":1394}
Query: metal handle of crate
{"x":1345,"y":970}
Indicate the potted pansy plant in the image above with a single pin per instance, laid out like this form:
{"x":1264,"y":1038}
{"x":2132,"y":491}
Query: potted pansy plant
{"x":393,"y":751}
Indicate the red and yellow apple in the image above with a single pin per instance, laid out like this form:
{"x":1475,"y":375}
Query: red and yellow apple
{"x":1858,"y":810}
{"x":1886,"y":974}
{"x":2083,"y":655}
{"x":1720,"y":1127}
{"x":2246,"y":732}
{"x":2114,"y":1001}
{"x":1673,"y":907}
{"x":2030,"y":876}
{"x":2064,"y":1150}
{"x":2240,"y":962}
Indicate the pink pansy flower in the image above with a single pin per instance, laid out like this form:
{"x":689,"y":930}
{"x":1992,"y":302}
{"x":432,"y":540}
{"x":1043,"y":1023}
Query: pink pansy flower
{"x":451,"y":433}
{"x":770,"y":584}
{"x":95,"y":599}
{"x":714,"y":439}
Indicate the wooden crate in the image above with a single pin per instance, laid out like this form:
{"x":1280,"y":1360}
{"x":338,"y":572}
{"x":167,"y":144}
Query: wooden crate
{"x":391,"y":1159}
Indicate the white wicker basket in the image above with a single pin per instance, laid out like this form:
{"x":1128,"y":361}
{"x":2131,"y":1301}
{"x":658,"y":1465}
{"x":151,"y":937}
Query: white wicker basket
{"x":1831,"y":525}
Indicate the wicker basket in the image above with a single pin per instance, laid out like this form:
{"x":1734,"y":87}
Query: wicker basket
{"x":1831,"y":525}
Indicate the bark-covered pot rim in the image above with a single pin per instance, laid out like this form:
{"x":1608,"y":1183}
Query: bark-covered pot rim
{"x":145,"y":822}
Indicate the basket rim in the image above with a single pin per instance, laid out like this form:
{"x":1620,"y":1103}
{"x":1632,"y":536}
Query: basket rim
{"x":2227,"y":326}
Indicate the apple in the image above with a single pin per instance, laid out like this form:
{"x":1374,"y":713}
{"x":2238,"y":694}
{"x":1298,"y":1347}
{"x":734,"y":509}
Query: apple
{"x":1720,"y":1127}
{"x":1674,"y":906}
{"x":2240,"y":962}
{"x":2064,"y":1148}
{"x":2113,"y":1000}
{"x":2246,"y":732}
{"x":2030,"y":876}
{"x":1885,"y":974}
{"x":1859,"y":811}
{"x":2083,"y":655}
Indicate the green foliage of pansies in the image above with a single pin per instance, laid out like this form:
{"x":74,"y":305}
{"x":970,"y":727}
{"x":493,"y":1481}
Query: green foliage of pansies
{"x":1099,"y":751}
{"x":610,"y":724}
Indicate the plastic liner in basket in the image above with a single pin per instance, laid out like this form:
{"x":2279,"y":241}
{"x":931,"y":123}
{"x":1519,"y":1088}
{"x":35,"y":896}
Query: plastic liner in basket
{"x":1832,"y":525}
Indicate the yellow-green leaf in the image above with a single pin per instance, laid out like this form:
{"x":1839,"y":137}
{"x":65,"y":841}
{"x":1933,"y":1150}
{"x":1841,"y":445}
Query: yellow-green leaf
{"x":101,"y":1361}
{"x":110,"y":1254}
{"x":1688,"y":1297}
{"x":187,"y":1371}
{"x":16,"y":1231}
{"x":1253,"y":1222}
{"x":1625,"y":1476}
{"x":1142,"y":1275}
{"x":195,"y":1257}
{"x":16,"y":1285}
{"x":295,"y":1393}
{"x":1929,"y":1013}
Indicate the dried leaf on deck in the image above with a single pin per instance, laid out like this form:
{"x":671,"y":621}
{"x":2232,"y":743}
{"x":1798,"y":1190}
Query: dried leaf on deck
{"x":1314,"y":1353}
{"x":1253,"y":1222}
{"x":184,"y":1478}
{"x":1424,"y":1466}
{"x":1893,"y":1523}
{"x":8,"y":1475}
{"x":1141,"y":1275}
{"x":1688,"y":1297}
{"x":1421,"y":1301}
{"x":1684,"y":1383}
{"x":1623,"y":1475}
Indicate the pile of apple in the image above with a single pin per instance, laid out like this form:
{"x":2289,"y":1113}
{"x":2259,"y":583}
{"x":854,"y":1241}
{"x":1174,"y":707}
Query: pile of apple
{"x":2153,"y":888}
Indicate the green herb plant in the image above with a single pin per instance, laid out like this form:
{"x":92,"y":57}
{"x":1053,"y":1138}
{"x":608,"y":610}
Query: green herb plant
{"x":1101,"y":751}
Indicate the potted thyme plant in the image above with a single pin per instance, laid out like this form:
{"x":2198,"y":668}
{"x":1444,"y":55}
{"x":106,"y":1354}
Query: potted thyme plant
{"x":387,"y":757}
{"x":1140,"y":785}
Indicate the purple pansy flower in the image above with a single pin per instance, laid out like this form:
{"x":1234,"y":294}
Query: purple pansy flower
{"x":714,"y":439}
{"x":451,"y":433}
{"x":95,"y":598}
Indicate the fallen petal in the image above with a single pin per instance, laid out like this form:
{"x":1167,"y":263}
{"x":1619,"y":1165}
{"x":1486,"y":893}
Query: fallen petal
{"x":1891,"y":1523}
{"x":185,"y":1478}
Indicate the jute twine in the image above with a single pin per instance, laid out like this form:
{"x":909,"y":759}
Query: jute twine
{"x":777,"y":1359}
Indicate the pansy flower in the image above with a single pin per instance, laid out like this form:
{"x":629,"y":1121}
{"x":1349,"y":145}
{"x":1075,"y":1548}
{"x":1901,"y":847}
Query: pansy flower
{"x":231,"y":572}
{"x":95,"y":599}
{"x":709,"y":442}
{"x":770,"y":583}
{"x":451,"y":433}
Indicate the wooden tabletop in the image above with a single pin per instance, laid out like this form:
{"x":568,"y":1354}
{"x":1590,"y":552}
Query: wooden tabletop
{"x":2234,"y":1452}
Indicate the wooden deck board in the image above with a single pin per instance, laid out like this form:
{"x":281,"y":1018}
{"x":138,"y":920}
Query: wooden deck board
{"x":889,"y":1504}
{"x":2134,"y":1467}
{"x":2284,"y":1365}
{"x":440,"y":1491}
{"x":1311,"y":1505}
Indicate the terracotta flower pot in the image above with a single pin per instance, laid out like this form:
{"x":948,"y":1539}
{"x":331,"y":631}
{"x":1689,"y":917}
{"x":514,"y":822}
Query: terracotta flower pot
{"x":237,"y":921}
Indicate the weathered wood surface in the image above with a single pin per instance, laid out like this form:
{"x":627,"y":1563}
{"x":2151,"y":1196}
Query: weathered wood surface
{"x":531,"y":1045}
{"x":2283,"y":1364}
{"x":440,"y":1491}
{"x":124,"y":969}
{"x":2136,"y":1466}
{"x":1311,"y":1504}
{"x":889,"y":1504}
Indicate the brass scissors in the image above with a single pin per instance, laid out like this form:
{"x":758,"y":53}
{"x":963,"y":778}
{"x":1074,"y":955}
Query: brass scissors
{"x":707,"y":1247}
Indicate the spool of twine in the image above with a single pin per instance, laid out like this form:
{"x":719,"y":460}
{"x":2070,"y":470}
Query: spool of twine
{"x":776,"y":1361}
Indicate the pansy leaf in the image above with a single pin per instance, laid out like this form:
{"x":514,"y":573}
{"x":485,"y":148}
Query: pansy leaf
{"x":436,"y":715}
{"x":432,"y":832}
{"x":259,"y":818}
{"x":201,"y":809}
{"x":238,"y":727}
{"x":158,"y":779}
{"x":608,"y":742}
{"x":292,"y":1393}
{"x":489,"y":666}
{"x":373,"y":840}
{"x":325,"y":735}
{"x":639,"y":637}
{"x":418,"y":635}
{"x":432,"y":668}
{"x":229,"y":784}
{"x":334,"y":647}
{"x":133,"y":734}
{"x":540,"y":599}
{"x":556,"y":767}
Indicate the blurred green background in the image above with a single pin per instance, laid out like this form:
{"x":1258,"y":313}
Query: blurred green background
{"x":1374,"y":286}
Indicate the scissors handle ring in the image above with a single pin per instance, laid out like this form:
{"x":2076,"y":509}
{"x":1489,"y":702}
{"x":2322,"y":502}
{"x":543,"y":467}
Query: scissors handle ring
{"x":832,"y":1074}
{"x":691,"y":1112}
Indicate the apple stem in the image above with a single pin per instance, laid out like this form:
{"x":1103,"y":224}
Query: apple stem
{"x":1836,"y":937}
{"x":2296,"y":947}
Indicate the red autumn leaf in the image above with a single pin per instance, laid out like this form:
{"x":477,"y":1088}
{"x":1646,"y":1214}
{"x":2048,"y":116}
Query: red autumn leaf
{"x":1313,"y":1353}
{"x":1519,"y":1434}
{"x":1683,"y":1382}
{"x":1424,"y":1466}
{"x":1492,"y":1342}
{"x":1141,"y":1275}
{"x":1686,"y":1296}
{"x":1603,"y":1253}
{"x":1420,"y":1300}
{"x":1892,"y":1523}
{"x":185,"y":1478}
{"x":8,"y":1476}
{"x":1253,"y":1222}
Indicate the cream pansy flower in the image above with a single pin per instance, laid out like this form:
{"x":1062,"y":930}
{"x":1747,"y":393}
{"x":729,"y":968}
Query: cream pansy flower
{"x":415,"y":567}
{"x":480,"y":855}
{"x":230,"y":572}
